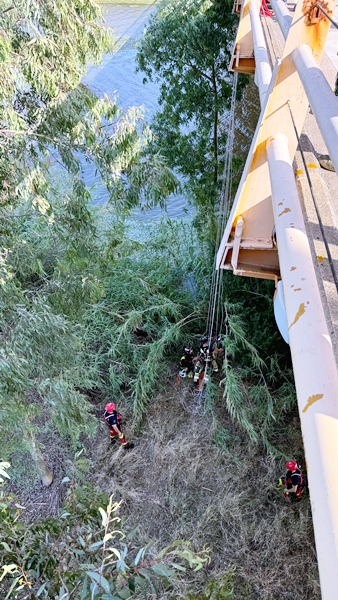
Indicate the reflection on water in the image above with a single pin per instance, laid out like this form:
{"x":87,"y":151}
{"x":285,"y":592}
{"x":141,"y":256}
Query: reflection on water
{"x":117,"y":78}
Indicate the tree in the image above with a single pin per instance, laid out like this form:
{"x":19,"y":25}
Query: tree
{"x":187,"y":49}
{"x":50,"y":126}
{"x":48,"y":119}
{"x":87,"y":553}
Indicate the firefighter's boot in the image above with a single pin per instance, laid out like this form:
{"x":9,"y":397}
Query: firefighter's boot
{"x":129,"y":446}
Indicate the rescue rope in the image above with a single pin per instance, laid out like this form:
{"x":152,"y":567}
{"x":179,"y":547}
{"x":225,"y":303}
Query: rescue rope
{"x":215,"y":308}
{"x":215,"y":301}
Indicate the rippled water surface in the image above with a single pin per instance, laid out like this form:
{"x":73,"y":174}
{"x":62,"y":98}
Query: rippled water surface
{"x":117,"y":78}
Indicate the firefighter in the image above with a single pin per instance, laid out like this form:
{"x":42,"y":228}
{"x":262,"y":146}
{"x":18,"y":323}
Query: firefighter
{"x":114,"y":421}
{"x":186,"y":363}
{"x":218,"y":350}
{"x":293,"y":481}
{"x":204,"y":345}
{"x":207,"y":356}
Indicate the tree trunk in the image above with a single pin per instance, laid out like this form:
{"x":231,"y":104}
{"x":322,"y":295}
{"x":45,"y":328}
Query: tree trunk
{"x":36,"y":454}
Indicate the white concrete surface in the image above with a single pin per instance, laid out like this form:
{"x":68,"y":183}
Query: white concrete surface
{"x":331,"y":46}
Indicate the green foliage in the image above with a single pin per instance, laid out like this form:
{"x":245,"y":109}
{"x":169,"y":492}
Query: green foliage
{"x":144,"y":313}
{"x":51,"y":260}
{"x":51,"y":125}
{"x":217,"y":588}
{"x":257,"y":393}
{"x":41,"y":370}
{"x":254,"y":306}
{"x":84,"y":305}
{"x":86,"y":553}
{"x":187,"y":48}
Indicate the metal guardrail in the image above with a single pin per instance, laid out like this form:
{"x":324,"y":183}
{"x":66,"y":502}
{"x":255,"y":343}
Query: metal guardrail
{"x":323,"y":102}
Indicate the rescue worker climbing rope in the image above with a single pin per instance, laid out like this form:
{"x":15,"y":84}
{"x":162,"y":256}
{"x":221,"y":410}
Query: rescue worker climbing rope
{"x":208,"y":355}
{"x":113,"y":420}
{"x":218,"y":350}
{"x":294,"y":482}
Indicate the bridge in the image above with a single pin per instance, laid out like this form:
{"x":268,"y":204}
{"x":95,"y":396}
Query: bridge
{"x":283,"y":223}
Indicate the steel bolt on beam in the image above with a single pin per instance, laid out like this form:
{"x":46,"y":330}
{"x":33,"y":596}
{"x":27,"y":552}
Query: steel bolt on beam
{"x":263,"y":69}
{"x":323,"y":102}
{"x":314,"y":365}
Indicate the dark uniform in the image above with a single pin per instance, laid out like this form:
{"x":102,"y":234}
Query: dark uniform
{"x":293,"y":479}
{"x":186,"y":363}
{"x":114,"y":418}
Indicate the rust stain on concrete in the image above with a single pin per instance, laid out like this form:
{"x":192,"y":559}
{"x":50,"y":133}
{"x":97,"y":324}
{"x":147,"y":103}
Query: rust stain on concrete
{"x":297,"y":289}
{"x":311,"y":400}
{"x":300,"y":313}
{"x":312,"y":13}
{"x":286,"y":210}
{"x":280,"y":203}
{"x":293,"y":268}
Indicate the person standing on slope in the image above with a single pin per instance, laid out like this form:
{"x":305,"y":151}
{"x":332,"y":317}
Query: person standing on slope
{"x":113,"y":420}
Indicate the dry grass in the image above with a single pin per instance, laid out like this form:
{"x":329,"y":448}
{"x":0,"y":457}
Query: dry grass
{"x":130,"y":2}
{"x":177,"y":483}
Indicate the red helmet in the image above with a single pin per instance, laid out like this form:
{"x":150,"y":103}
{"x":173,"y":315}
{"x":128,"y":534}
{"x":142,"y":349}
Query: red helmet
{"x":110,"y":407}
{"x":291,"y":465}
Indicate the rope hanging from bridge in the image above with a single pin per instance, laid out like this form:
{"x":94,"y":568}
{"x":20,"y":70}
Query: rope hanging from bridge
{"x":216,"y":309}
{"x":214,"y":322}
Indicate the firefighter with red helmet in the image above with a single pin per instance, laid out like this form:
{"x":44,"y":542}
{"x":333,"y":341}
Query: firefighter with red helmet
{"x":293,"y":481}
{"x":113,"y":420}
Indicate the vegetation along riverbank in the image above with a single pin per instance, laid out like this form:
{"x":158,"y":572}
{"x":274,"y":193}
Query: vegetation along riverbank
{"x":96,"y":308}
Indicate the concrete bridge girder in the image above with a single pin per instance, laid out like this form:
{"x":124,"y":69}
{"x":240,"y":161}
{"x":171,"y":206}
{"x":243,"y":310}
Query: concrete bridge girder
{"x":253,"y":201}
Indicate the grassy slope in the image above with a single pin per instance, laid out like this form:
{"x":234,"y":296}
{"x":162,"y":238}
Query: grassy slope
{"x":178,"y":484}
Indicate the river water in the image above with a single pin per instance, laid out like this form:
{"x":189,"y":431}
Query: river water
{"x":117,"y":78}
